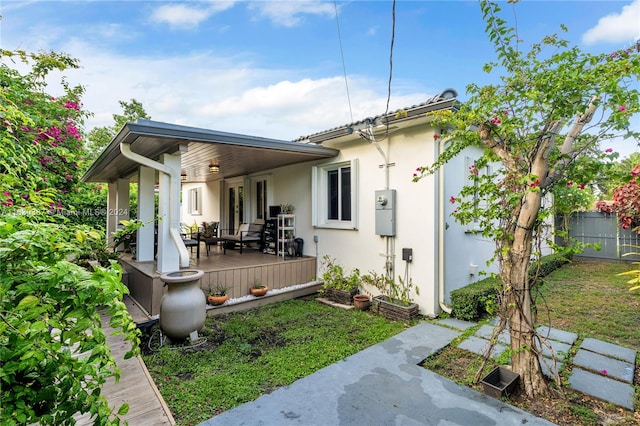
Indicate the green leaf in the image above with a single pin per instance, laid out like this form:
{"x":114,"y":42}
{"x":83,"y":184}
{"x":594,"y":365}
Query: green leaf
{"x":27,"y":302}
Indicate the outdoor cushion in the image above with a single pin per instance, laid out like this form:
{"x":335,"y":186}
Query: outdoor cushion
{"x":247,"y":233}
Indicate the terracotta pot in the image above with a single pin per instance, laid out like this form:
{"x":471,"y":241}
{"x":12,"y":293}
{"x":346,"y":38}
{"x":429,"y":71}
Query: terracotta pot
{"x":217,"y":300}
{"x":361,"y":301}
{"x":261,"y":291}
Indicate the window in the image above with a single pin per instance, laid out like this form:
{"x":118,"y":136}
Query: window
{"x":471,"y":170}
{"x":195,"y":201}
{"x":335,"y":195}
{"x":261,"y":199}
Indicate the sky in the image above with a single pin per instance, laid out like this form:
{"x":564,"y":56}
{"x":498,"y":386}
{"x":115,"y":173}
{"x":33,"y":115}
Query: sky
{"x":277,"y":68}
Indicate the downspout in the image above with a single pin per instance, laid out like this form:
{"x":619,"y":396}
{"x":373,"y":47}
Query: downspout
{"x":441,"y":228}
{"x":174,"y":179}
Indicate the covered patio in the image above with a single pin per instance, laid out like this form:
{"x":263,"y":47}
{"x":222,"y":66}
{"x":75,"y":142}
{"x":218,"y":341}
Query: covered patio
{"x":285,"y":278}
{"x":159,"y":157}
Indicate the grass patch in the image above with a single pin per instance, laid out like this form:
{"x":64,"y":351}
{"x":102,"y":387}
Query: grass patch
{"x":251,"y":353}
{"x":589,"y":299}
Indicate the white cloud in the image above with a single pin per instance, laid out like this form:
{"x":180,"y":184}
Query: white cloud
{"x":289,"y":13}
{"x":616,"y":27}
{"x":187,"y":16}
{"x":229,"y":94}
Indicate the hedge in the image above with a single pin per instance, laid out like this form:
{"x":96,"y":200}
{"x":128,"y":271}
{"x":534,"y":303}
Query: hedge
{"x":471,"y":302}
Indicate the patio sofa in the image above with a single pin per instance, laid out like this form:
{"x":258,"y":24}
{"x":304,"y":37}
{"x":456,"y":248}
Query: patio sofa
{"x":247,"y":233}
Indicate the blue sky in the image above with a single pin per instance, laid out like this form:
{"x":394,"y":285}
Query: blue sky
{"x":274,"y":68}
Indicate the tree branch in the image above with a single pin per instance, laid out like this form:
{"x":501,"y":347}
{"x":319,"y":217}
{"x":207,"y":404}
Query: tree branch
{"x":567,"y":148}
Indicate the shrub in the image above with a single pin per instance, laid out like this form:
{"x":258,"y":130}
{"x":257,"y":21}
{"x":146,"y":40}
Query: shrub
{"x":472,"y":302}
{"x":478,"y":299}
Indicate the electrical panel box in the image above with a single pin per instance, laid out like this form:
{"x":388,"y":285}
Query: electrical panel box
{"x":407,"y":254}
{"x":386,"y":213}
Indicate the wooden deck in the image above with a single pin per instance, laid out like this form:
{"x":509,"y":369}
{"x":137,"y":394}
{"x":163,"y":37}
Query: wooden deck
{"x":136,"y":387}
{"x":238,"y":272}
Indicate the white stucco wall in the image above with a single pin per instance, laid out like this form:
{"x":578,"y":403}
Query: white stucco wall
{"x":210,"y":203}
{"x":416,"y":215}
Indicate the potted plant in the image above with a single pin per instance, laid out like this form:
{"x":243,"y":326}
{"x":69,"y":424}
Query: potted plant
{"x":361,"y":301}
{"x":217,"y":295}
{"x":339,"y":286}
{"x":394,"y":301}
{"x":258,"y":290}
{"x":207,"y":230}
{"x":287,"y":208}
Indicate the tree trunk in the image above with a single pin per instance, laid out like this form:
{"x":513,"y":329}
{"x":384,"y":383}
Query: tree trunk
{"x":517,"y":301}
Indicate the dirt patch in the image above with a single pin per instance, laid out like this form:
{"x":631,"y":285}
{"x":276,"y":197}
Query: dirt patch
{"x":565,"y":407}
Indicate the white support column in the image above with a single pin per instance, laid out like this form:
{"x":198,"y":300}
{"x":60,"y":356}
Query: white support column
{"x":146,"y":210}
{"x":112,"y":219}
{"x":169,"y":212}
{"x":122,"y":200}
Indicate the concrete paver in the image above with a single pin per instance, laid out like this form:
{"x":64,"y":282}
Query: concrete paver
{"x":605,"y":365}
{"x":609,"y":349}
{"x":456,"y":323}
{"x":601,"y":387}
{"x":553,"y":348}
{"x":556,"y":334}
{"x":486,"y":331}
{"x":479,"y":346}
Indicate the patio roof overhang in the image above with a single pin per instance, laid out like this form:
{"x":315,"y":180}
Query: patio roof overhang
{"x":236,"y":154}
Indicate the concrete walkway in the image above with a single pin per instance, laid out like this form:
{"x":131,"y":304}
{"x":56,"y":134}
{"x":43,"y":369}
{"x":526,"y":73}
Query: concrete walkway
{"x":600,"y":369}
{"x":382,"y":385}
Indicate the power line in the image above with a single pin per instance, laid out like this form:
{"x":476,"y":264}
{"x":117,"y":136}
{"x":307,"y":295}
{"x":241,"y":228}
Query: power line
{"x":393,"y":37}
{"x":344,"y":68}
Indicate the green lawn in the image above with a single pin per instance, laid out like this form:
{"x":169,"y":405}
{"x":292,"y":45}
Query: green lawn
{"x":589,"y":298}
{"x":254,"y":352}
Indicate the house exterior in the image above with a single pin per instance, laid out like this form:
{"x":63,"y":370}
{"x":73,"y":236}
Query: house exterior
{"x":336,"y":207}
{"x":351,"y":187}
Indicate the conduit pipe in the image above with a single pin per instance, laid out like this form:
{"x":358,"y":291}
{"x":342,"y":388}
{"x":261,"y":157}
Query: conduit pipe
{"x":389,"y":254}
{"x":174,"y":180}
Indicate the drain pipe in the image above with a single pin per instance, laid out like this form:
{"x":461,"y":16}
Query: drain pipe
{"x":174,"y":178}
{"x":441,"y":229}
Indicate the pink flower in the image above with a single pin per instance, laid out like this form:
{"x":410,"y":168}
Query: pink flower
{"x":415,"y":175}
{"x":604,"y":372}
{"x":436,"y":136}
{"x":455,"y":211}
{"x":535,"y":184}
{"x":418,"y":169}
{"x":622,"y":108}
{"x":570,"y":183}
{"x":452,"y":200}
{"x":635,"y":171}
{"x":99,"y":187}
{"x":71,"y":105}
{"x":581,"y":186}
{"x":608,"y":150}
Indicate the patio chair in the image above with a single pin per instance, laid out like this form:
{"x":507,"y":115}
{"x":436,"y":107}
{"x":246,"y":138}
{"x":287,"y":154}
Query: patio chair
{"x":188,"y":238}
{"x":246,"y":233}
{"x":210,"y":240}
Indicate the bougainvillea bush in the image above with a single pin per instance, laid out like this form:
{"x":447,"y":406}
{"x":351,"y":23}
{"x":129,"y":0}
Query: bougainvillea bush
{"x":53,"y":350}
{"x":626,"y":202}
